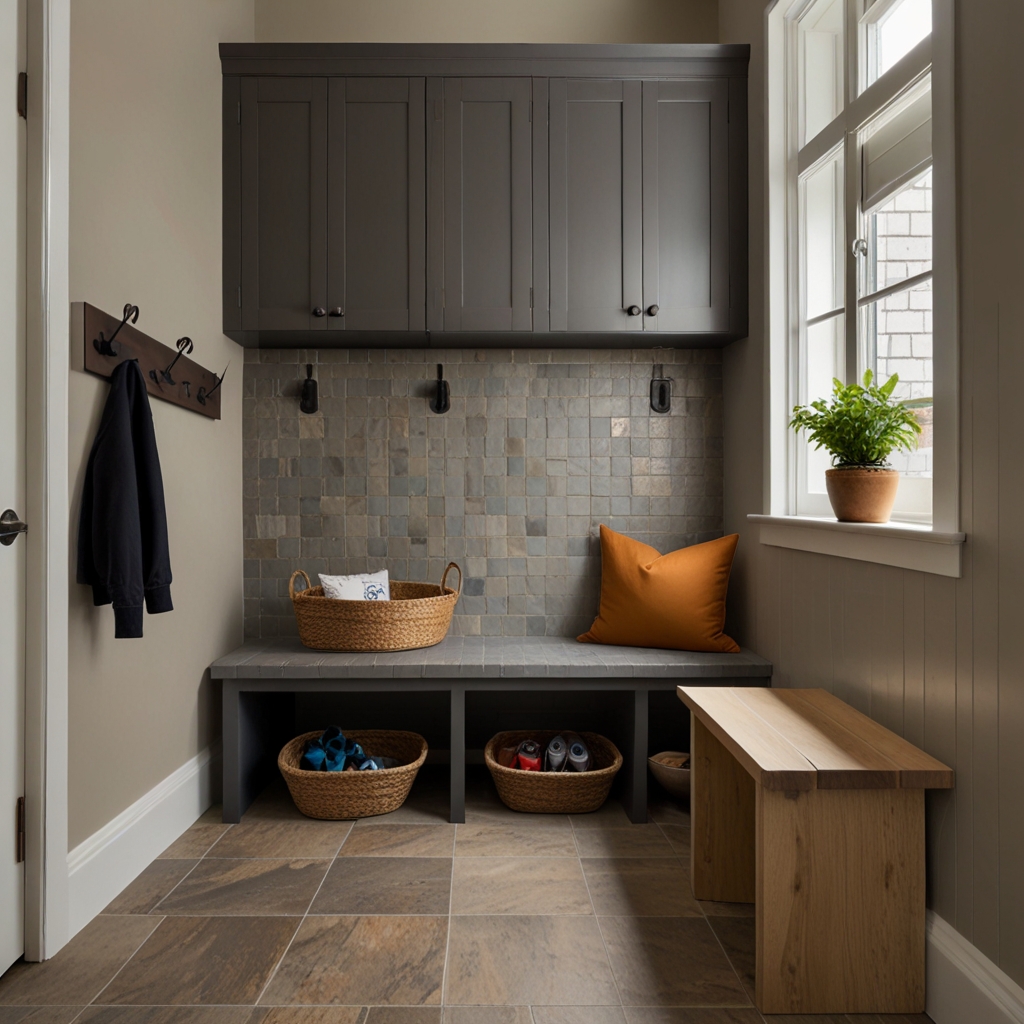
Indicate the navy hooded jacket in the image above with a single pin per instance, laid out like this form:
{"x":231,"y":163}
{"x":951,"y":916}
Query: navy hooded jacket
{"x":122,"y":532}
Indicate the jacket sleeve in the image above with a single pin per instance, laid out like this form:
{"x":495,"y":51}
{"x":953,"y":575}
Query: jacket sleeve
{"x":110,"y":534}
{"x":156,"y":559}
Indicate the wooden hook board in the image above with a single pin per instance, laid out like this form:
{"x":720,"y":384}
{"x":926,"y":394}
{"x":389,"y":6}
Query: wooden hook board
{"x":190,"y":380}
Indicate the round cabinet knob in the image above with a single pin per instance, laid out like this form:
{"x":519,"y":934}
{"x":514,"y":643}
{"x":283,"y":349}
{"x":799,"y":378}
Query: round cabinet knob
{"x":319,"y":311}
{"x":337,"y":311}
{"x":653,"y":310}
{"x":634,"y":311}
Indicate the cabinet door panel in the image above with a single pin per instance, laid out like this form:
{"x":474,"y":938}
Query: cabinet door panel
{"x":686,"y":212}
{"x":284,"y":202}
{"x":377,"y":240}
{"x":596,"y":226}
{"x":487,"y":204}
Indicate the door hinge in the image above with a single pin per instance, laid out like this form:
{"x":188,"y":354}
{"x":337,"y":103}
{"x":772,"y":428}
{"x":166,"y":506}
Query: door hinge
{"x":239,"y":296}
{"x":531,"y":111}
{"x":23,"y":94}
{"x":531,"y":297}
{"x":239,"y":115}
{"x":19,"y":841}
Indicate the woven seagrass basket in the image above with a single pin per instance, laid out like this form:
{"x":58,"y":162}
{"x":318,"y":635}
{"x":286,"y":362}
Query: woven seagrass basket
{"x":553,"y":792}
{"x":418,"y":615}
{"x":337,"y":795}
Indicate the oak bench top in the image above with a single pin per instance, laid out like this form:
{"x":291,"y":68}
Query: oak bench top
{"x":810,"y":739}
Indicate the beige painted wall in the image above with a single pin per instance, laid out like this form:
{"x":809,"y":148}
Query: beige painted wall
{"x":937,"y":659}
{"x":145,"y":228}
{"x":487,"y":21}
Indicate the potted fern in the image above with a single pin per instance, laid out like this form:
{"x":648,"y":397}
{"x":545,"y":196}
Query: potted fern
{"x":860,"y":427}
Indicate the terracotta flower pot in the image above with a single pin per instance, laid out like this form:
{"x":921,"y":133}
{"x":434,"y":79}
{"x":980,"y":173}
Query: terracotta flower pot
{"x":862,"y":495}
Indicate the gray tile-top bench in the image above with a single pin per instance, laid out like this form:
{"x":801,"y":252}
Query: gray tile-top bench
{"x":261,"y":676}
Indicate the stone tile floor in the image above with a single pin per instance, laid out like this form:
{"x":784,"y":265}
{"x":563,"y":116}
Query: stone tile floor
{"x":406,"y":919}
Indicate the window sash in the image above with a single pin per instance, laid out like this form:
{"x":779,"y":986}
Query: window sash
{"x":874,"y":168}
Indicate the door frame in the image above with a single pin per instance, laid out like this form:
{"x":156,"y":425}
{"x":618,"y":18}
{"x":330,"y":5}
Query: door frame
{"x":49,"y":539}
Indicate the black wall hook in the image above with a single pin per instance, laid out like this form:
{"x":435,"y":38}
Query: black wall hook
{"x":105,"y":346}
{"x":184,"y":346}
{"x":202,"y":394}
{"x":661,"y":390}
{"x":441,"y":401}
{"x":309,"y":402}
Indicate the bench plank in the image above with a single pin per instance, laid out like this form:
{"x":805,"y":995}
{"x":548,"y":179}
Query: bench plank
{"x":766,"y":755}
{"x":918,"y":770}
{"x":843,"y":759}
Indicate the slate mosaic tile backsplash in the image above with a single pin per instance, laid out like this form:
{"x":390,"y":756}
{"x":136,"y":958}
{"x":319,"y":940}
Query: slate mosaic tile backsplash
{"x":539,"y":448}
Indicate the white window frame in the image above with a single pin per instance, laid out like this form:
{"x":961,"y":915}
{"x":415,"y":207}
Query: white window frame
{"x":933,"y":546}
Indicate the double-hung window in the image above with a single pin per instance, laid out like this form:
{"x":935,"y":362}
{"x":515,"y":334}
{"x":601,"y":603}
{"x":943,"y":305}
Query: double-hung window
{"x":861,"y":238}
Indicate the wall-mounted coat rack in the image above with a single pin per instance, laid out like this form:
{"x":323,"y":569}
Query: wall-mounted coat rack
{"x":168,"y":372}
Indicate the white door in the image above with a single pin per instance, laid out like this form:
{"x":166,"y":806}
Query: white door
{"x":12,"y":480}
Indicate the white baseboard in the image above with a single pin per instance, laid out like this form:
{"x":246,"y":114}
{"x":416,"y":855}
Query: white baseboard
{"x":963,"y":985}
{"x":100,"y":867}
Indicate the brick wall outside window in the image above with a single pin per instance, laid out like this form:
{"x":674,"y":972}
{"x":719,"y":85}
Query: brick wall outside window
{"x":904,"y":320}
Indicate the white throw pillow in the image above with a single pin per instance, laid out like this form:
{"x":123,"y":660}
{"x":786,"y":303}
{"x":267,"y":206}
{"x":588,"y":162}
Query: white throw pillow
{"x":366,"y":586}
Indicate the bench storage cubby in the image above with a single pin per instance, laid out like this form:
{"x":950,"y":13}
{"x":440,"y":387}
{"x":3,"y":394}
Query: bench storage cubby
{"x":265,"y":680}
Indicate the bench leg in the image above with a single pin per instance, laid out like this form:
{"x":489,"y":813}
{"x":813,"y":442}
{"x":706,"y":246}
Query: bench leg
{"x":255,"y":727}
{"x":231,"y":784}
{"x":722,"y":841}
{"x":840,"y":901}
{"x":457,"y":805}
{"x":635,"y":758}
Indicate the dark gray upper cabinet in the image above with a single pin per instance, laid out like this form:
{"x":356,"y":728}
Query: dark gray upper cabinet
{"x":478,"y":195}
{"x":483,"y":200}
{"x":596,"y":205}
{"x":686,"y":206}
{"x":283,"y":136}
{"x":376,"y":215}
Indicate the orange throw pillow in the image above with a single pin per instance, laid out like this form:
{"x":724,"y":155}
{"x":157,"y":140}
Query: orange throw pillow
{"x":676,"y":601}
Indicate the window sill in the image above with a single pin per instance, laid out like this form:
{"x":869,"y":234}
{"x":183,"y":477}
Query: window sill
{"x":906,"y":545}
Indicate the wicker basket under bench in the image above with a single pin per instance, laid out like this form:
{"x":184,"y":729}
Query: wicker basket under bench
{"x":566,"y":792}
{"x":358,"y":794}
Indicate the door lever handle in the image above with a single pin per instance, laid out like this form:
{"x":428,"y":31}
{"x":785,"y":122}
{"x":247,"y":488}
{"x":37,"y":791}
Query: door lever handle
{"x":11,"y":526}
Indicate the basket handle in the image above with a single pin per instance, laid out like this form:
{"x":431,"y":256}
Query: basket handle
{"x":444,"y":579}
{"x":291,"y":583}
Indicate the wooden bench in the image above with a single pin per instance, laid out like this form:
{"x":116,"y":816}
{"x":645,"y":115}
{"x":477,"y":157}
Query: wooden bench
{"x":263,"y":680}
{"x":815,"y":813}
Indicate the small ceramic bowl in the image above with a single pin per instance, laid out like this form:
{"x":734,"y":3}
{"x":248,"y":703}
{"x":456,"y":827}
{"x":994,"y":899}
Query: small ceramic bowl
{"x":675,"y":780}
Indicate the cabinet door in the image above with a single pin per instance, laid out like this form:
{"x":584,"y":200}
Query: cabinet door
{"x":376,"y":205}
{"x":284,"y":203}
{"x":596,"y":228}
{"x":487,"y":204}
{"x":686,"y":206}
